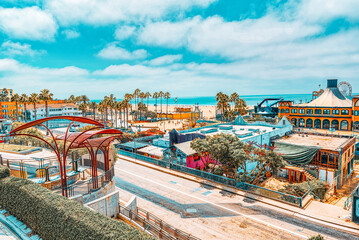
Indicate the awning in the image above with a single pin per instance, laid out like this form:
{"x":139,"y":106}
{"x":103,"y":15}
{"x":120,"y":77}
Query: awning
{"x":131,"y":145}
{"x":296,"y":154}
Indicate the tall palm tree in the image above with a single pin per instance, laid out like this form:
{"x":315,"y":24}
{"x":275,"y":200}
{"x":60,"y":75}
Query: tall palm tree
{"x":135,"y":95}
{"x":93,"y":106}
{"x":160,"y":95}
{"x":119,"y":108}
{"x":167,"y":96}
{"x":147,"y":95}
{"x":83,"y":108}
{"x":222,"y":104}
{"x":155,"y":96}
{"x":46,"y":96}
{"x":111,"y":101}
{"x":126,"y":105}
{"x":34,"y":98}
{"x":16,"y":98}
{"x":129,"y":98}
{"x":24,"y":99}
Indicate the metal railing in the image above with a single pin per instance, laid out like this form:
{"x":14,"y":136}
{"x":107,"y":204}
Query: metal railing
{"x":348,"y":202}
{"x":265,"y":192}
{"x":154,"y":225}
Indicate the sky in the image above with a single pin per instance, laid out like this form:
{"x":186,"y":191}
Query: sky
{"x":187,"y":47}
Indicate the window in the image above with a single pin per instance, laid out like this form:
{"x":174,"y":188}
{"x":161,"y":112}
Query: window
{"x":345,"y":112}
{"x":335,"y":112}
{"x":282,"y":110}
{"x":318,"y":111}
{"x":326,"y":111}
{"x":294,"y":110}
{"x":309,"y":111}
{"x":301,"y":111}
{"x":287,"y":110}
{"x":356,"y":113}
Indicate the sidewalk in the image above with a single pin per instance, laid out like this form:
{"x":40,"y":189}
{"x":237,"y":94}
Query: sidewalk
{"x":315,"y":211}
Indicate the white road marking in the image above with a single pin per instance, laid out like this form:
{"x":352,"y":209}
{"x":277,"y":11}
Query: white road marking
{"x":228,"y":209}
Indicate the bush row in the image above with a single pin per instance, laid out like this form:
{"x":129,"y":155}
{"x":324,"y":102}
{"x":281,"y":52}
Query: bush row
{"x":52,"y":216}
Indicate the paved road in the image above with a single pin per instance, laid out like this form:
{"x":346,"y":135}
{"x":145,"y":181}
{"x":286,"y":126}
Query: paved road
{"x":210,"y":213}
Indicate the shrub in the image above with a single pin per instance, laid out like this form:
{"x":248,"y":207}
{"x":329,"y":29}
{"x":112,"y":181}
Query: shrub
{"x":317,"y":187}
{"x":55,"y":217}
{"x":4,"y":172}
{"x":318,"y":237}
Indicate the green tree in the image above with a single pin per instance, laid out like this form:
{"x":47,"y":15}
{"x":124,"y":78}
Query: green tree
{"x":93,"y":106}
{"x":16,"y":98}
{"x":161,"y":95}
{"x":34,"y":99}
{"x":222,"y":104}
{"x":24,"y":100}
{"x":83,"y":108}
{"x":155,"y":96}
{"x":46,"y":96}
{"x":167,"y":96}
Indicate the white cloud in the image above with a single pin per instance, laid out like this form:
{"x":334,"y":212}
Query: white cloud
{"x":165,"y":60}
{"x":27,"y":23}
{"x":325,"y":10}
{"x":10,"y":48}
{"x":99,"y":12}
{"x":112,"y":51}
{"x":124,"y":32}
{"x":214,"y":36}
{"x":70,"y":33}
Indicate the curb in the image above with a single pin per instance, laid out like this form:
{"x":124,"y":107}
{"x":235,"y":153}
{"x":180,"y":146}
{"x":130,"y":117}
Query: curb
{"x":215,"y":185}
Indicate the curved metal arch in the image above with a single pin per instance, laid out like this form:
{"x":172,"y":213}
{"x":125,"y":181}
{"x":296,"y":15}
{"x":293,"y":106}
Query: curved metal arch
{"x":71,"y":118}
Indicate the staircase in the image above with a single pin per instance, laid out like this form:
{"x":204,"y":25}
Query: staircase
{"x":308,"y":175}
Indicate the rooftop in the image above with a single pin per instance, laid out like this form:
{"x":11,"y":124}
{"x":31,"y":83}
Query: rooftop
{"x":53,"y":105}
{"x":325,"y":142}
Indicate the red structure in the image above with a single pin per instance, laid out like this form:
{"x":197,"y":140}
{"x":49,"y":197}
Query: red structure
{"x":76,"y":140}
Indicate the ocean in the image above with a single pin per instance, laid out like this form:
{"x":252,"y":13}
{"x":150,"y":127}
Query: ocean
{"x":250,"y":99}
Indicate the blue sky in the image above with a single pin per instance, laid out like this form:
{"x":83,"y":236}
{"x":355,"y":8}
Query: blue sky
{"x":187,"y":47}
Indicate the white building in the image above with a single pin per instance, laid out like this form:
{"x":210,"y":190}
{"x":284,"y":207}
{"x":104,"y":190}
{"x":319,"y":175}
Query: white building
{"x":58,"y":109}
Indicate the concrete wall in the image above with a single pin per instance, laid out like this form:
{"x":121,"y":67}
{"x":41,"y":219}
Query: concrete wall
{"x":106,"y":205}
{"x":109,"y":188}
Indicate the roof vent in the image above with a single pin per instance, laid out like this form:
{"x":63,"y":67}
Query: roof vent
{"x":332,"y":83}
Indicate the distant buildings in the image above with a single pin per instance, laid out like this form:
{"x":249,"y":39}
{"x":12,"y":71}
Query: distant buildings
{"x":331,"y":110}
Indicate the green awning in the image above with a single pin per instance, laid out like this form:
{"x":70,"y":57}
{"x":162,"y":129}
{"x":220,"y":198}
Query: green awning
{"x":131,"y":145}
{"x":296,"y":154}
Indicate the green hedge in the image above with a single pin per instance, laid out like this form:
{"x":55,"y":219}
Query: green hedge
{"x":52,"y":216}
{"x":4,"y":172}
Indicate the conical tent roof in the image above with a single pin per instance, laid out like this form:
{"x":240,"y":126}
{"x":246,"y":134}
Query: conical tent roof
{"x":331,"y":97}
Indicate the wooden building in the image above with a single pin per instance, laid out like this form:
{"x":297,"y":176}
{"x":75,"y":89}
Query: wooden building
{"x":326,"y":157}
{"x":331,"y":110}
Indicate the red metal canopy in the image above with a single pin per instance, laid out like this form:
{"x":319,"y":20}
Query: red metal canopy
{"x":71,"y":118}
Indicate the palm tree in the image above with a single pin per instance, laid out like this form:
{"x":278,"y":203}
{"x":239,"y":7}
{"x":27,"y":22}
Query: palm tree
{"x":136,"y":93}
{"x":129,"y":98}
{"x":161,"y":94}
{"x":222,"y":104}
{"x":93,"y":106}
{"x":126,"y":105}
{"x":4,"y":95}
{"x":46,"y":96}
{"x":34,"y":98}
{"x":16,"y":98}
{"x":167,"y":96}
{"x":120,"y":107}
{"x":111,"y":101}
{"x":71,"y":99}
{"x":83,"y":108}
{"x":155,"y":96}
{"x":147,"y":95}
{"x":24,"y":99}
